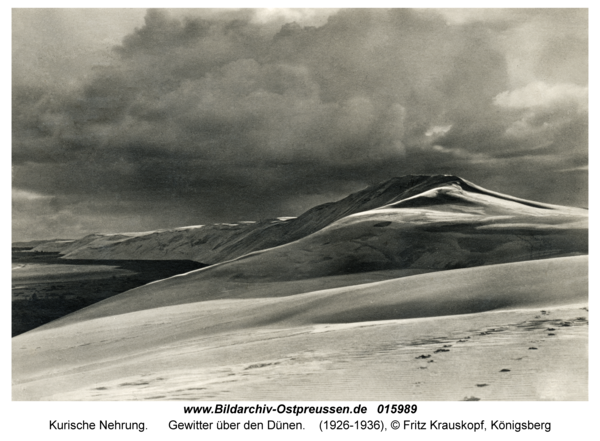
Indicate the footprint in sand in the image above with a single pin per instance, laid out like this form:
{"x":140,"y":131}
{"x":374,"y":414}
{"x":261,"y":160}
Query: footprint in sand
{"x":139,"y":383}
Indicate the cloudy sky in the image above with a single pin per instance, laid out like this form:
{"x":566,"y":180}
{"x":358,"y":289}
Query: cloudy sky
{"x":132,"y":120}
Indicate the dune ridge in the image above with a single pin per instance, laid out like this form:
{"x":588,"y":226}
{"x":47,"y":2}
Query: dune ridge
{"x":211,"y":244}
{"x":384,"y":240}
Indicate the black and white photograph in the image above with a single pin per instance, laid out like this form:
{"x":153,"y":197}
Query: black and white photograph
{"x":287,"y":204}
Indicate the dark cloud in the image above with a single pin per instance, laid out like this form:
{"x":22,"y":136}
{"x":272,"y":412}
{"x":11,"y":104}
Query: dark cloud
{"x":224,"y":116}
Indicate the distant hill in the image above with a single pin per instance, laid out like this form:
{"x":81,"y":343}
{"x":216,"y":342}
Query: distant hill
{"x":46,"y":245}
{"x":210,"y":244}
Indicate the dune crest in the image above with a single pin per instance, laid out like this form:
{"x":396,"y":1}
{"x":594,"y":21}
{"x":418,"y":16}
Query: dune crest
{"x":216,"y":243}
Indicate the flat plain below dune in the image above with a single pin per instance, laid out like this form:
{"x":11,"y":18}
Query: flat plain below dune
{"x":24,"y":273}
{"x":46,"y":287}
{"x":514,"y":331}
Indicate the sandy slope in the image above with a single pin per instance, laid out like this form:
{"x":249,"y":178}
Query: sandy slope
{"x":211,"y":244}
{"x":456,"y":230}
{"x":359,"y":342}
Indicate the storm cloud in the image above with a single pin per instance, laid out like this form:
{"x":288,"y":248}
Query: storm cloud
{"x":224,"y":116}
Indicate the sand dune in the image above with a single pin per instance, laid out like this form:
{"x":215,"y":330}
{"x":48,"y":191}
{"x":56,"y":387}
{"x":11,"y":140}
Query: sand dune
{"x":212,"y":244}
{"x":386,"y":241}
{"x":420,"y":279}
{"x":86,"y":358}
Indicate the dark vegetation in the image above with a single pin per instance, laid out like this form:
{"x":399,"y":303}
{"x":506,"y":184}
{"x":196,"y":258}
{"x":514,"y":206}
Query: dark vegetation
{"x":37,"y":302}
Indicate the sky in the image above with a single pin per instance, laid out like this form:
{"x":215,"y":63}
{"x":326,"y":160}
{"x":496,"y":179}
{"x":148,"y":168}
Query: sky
{"x":134,"y":120}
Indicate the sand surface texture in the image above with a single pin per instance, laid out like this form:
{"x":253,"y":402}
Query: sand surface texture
{"x":411,"y":338}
